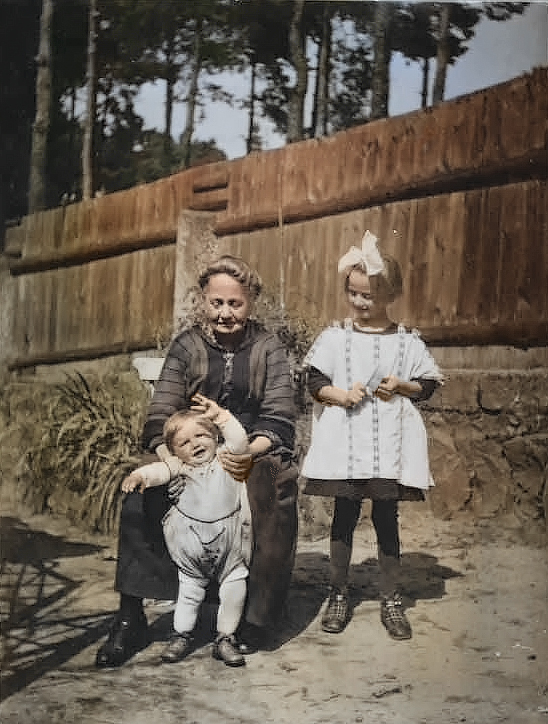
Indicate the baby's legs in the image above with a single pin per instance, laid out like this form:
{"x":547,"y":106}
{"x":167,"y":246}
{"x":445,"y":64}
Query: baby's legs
{"x":345,"y":519}
{"x":232,"y":595}
{"x":191,"y":594}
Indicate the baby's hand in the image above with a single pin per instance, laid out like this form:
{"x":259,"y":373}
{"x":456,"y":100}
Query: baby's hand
{"x":133,"y":481}
{"x":209,"y":408}
{"x":355,"y":395}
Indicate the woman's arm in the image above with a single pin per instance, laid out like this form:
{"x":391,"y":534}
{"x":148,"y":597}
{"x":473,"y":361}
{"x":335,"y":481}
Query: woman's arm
{"x":276,"y":416}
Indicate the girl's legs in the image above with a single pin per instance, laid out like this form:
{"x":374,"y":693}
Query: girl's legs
{"x":345,"y":519}
{"x":384,"y":515}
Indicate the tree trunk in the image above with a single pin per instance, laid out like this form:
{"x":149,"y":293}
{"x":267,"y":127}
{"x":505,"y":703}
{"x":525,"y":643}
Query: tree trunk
{"x":171,"y":79}
{"x":192,"y":99}
{"x":253,"y":141}
{"x":295,"y":122}
{"x":380,"y":84}
{"x":91,"y":102}
{"x":442,"y":57}
{"x":40,"y":129}
{"x":425,"y":82}
{"x":321,"y":101}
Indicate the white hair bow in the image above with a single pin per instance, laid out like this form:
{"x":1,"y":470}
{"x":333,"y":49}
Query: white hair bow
{"x":369,"y":255}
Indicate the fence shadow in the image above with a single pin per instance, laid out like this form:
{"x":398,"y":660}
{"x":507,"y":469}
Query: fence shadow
{"x":38,"y":633}
{"x":422,"y":577}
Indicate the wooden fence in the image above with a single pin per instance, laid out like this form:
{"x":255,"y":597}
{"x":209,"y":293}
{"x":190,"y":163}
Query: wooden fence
{"x":456,"y":193}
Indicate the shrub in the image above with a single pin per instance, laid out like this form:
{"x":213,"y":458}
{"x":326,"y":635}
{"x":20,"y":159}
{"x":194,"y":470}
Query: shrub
{"x":88,"y":442}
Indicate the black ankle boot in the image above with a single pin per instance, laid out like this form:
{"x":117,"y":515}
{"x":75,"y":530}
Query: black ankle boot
{"x":250,"y":638}
{"x":126,"y":637}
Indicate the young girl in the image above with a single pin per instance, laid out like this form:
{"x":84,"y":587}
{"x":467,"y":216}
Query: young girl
{"x":208,"y":528}
{"x":368,"y":439}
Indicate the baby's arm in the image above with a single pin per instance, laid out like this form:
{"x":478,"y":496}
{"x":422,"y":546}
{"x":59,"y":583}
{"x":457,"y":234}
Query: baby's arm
{"x":234,"y":434}
{"x":147,"y":476}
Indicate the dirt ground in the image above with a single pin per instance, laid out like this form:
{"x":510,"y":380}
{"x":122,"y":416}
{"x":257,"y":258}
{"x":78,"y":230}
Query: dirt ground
{"x":477,"y":600}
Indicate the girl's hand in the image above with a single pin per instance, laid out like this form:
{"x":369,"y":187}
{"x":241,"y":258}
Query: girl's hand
{"x":239,"y":466}
{"x":133,"y":481}
{"x":388,"y":387}
{"x":355,"y":395}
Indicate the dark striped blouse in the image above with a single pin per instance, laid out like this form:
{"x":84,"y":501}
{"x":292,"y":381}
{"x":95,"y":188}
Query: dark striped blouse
{"x":253,"y":382}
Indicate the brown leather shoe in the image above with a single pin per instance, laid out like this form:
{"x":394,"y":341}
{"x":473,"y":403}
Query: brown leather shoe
{"x":178,"y":648}
{"x":225,"y":649}
{"x":394,"y":619}
{"x":335,"y":617}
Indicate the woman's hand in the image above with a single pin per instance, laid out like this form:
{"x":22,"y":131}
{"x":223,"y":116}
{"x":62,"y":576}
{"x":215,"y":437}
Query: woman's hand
{"x":239,"y":466}
{"x":132,"y":482}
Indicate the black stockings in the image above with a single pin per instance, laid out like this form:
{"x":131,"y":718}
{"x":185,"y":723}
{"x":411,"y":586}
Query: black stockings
{"x":384,"y":515}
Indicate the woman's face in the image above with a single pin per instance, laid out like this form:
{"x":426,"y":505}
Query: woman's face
{"x":227,"y":305}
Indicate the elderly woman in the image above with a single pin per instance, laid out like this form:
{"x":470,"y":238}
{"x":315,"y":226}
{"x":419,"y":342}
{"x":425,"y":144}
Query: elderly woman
{"x":233,"y":360}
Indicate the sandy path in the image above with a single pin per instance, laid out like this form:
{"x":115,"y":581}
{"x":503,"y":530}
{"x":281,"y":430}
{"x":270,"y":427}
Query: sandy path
{"x":478,"y":604}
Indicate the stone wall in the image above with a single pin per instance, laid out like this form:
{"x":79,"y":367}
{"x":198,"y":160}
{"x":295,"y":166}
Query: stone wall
{"x":488,"y":435}
{"x":489,"y":444}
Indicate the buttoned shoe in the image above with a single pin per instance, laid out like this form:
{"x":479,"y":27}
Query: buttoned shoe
{"x":178,"y":648}
{"x":335,"y":617}
{"x":394,"y":619}
{"x":126,"y":637}
{"x":225,"y":649}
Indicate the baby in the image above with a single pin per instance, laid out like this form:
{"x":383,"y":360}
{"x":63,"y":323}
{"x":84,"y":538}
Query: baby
{"x":208,"y":528}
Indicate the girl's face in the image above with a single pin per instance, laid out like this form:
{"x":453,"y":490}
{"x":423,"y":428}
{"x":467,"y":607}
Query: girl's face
{"x":367,"y":301}
{"x":227,"y":306}
{"x":193,"y":443}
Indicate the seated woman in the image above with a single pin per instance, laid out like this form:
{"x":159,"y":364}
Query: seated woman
{"x":234,"y":361}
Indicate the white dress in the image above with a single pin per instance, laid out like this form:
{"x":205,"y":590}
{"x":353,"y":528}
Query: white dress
{"x":377,"y":439}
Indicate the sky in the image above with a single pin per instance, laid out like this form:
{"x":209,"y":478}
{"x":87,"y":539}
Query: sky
{"x":498,"y":52}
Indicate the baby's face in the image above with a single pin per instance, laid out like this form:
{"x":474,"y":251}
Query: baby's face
{"x":194,"y":444}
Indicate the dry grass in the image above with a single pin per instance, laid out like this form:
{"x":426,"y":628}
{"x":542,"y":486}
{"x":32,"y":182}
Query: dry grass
{"x":88,"y":441}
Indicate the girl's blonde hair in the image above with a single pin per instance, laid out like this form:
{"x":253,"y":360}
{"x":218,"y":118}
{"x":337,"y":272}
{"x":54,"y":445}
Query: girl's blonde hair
{"x":389,"y":281}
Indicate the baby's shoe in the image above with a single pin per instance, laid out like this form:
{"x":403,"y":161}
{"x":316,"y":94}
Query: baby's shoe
{"x":178,"y":648}
{"x":225,"y":649}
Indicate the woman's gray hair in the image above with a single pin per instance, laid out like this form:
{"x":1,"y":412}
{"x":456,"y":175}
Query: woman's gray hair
{"x":236,"y":268}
